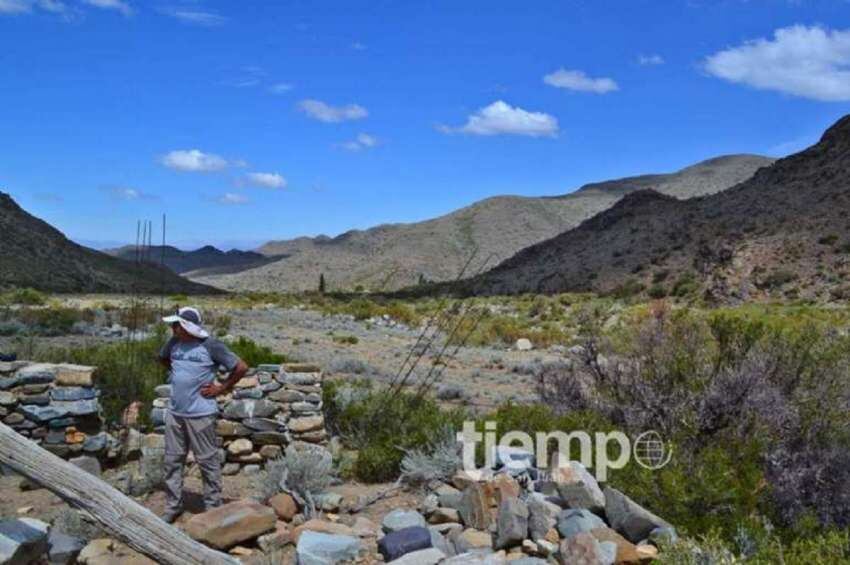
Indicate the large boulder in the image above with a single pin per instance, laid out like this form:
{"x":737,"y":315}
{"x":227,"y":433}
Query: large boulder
{"x":629,"y":518}
{"x":22,"y":541}
{"x":316,"y":548}
{"x":233,"y":523}
{"x":472,"y":540}
{"x":512,"y":523}
{"x":577,"y":520}
{"x":401,"y":542}
{"x":401,"y":519}
{"x":576,"y":487}
{"x":584,"y":549}
{"x":474,"y":508}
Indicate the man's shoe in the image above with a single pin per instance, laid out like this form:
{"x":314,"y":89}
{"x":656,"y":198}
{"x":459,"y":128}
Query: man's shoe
{"x":170,"y":516}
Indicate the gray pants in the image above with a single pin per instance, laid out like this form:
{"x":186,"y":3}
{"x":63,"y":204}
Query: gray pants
{"x":197,"y":434}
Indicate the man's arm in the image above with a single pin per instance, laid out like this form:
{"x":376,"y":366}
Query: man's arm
{"x":223,"y":356}
{"x":164,"y":356}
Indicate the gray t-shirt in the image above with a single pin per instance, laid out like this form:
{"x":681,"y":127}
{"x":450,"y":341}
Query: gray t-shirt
{"x":194,"y":364}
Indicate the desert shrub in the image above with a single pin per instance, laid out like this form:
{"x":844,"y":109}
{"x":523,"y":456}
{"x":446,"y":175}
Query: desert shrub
{"x":828,"y":239}
{"x":12,"y":328}
{"x":741,"y":395}
{"x":304,"y":473}
{"x":346,"y":339}
{"x":220,"y":325}
{"x":628,"y":289}
{"x":349,"y":365}
{"x":685,"y":285}
{"x":776,"y":279}
{"x":438,"y":461}
{"x":255,"y":354}
{"x":24,"y":297}
{"x":657,"y":291}
{"x":383,"y":425}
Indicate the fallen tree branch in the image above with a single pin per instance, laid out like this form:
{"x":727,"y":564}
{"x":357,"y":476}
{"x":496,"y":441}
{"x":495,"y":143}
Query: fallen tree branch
{"x":373,"y":498}
{"x":119,"y":515}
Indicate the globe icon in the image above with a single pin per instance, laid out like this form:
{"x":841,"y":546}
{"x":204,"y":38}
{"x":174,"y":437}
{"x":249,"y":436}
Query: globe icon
{"x":651,"y":451}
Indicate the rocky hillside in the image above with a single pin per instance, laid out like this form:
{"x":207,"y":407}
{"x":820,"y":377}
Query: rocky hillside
{"x":397,"y":255}
{"x":781,"y":234}
{"x":208,"y":258}
{"x":35,"y":254}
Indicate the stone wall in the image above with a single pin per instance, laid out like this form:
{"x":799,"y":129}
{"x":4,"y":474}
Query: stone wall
{"x":272,"y":407}
{"x":55,"y":405}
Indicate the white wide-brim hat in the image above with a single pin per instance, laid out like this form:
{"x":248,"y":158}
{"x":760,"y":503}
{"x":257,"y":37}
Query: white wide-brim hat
{"x":190,"y":319}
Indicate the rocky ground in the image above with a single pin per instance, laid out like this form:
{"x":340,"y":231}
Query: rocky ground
{"x":484,"y":376}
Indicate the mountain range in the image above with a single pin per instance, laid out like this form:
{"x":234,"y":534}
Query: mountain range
{"x":207,"y":258}
{"x":35,"y":254}
{"x":394,"y":256}
{"x":780,"y":234}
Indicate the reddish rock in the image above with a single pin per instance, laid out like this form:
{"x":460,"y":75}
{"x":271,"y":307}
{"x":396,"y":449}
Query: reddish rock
{"x":231,"y":524}
{"x":284,"y":506}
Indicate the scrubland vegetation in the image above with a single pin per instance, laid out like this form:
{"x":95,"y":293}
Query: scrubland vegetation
{"x":754,"y":400}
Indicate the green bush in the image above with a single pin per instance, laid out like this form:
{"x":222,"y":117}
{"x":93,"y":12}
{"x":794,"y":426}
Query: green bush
{"x":346,"y":339}
{"x":657,"y":291}
{"x":24,"y":297}
{"x":255,"y":354}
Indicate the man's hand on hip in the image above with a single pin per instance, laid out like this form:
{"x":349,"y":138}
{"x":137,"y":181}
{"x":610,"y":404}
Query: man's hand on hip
{"x":212,"y":390}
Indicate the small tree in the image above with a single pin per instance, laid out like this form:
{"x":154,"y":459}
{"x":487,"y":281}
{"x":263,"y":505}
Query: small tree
{"x":321,"y":283}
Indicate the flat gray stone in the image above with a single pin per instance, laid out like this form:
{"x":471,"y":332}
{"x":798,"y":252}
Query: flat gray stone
{"x":247,"y":408}
{"x":79,"y":407}
{"x":97,"y":443}
{"x":315,"y":548}
{"x":42,"y":414}
{"x":630,"y":519}
{"x":40,"y":373}
{"x":401,"y":519}
{"x":577,"y":520}
{"x":87,"y":464}
{"x":263,"y":425}
{"x":22,"y":541}
{"x":62,"y":548}
{"x":70,"y":393}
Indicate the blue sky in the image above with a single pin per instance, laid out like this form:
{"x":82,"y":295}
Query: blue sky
{"x":255,"y":120}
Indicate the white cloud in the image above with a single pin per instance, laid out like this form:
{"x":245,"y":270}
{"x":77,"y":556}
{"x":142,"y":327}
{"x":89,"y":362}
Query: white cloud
{"x":14,"y":6}
{"x":577,"y":80}
{"x":232,"y":198}
{"x":127,"y":193}
{"x":357,"y":46}
{"x":810,"y":62}
{"x":280,"y":88}
{"x":500,"y":118}
{"x":362,"y":141}
{"x":195,"y":17}
{"x":650,"y":60}
{"x":330,"y":114}
{"x":117,"y":5}
{"x":194,"y":161}
{"x":26,"y":6}
{"x":266,"y":180}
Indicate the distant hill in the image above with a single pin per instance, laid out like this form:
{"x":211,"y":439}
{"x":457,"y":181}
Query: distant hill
{"x":781,"y":234}
{"x":392,"y":256}
{"x":208,"y":258}
{"x":35,"y":254}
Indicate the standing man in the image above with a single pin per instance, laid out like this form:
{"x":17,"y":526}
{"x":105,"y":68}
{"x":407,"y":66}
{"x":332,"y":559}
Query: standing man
{"x":192,"y":358}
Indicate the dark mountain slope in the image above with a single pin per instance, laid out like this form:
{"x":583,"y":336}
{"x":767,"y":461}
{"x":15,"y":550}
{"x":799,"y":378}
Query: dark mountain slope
{"x":208,"y":258}
{"x":782,"y":233}
{"x":35,"y":254}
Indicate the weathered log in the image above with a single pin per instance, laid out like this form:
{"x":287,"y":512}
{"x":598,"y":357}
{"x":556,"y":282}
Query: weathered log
{"x":119,"y":515}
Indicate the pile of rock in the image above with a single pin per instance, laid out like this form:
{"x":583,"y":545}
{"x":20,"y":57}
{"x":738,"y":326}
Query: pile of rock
{"x":55,"y":405}
{"x":512,"y":515}
{"x":272,"y":407}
